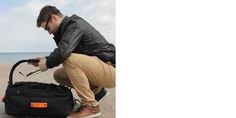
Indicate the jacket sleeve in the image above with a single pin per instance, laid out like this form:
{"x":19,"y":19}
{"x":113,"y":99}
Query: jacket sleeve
{"x":69,"y":41}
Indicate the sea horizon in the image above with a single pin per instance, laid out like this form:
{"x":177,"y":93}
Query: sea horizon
{"x":27,"y":52}
{"x":13,"y":57}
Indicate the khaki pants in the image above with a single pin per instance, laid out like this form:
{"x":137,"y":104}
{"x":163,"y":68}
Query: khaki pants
{"x":87,"y":75}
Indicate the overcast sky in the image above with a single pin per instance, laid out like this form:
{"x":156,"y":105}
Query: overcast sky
{"x":18,"y":22}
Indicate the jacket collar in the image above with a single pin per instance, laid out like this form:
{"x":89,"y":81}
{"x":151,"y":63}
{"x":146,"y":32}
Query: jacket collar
{"x":62,"y":25}
{"x":61,"y":28}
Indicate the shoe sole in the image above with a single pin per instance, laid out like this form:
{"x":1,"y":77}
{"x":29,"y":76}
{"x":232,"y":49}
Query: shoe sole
{"x":97,"y":115}
{"x":104,"y":96}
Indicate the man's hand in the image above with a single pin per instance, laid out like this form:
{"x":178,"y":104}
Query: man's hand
{"x":42,"y":64}
{"x":35,"y":64}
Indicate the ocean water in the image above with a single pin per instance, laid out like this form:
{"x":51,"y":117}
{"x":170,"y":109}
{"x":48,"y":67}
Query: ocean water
{"x":12,"y":57}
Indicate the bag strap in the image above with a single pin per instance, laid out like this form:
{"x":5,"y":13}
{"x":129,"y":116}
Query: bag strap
{"x":10,"y":82}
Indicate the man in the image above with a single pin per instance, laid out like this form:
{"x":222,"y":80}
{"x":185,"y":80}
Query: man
{"x":88,"y":59}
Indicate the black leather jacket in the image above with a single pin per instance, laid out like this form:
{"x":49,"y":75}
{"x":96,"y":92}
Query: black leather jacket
{"x":75,"y":35}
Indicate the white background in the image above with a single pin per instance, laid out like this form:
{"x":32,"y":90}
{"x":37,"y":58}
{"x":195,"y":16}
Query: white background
{"x":176,"y":58}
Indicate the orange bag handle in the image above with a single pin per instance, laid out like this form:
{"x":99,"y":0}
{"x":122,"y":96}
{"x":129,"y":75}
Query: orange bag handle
{"x":38,"y":105}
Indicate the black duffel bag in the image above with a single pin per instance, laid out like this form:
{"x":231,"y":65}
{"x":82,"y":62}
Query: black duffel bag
{"x":37,"y":99}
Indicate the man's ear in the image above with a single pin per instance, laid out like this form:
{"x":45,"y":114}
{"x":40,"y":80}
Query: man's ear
{"x":54,"y":17}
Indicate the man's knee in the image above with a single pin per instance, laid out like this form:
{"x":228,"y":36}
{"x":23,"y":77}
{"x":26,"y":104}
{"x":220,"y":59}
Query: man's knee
{"x":56,"y":74}
{"x":59,"y":74}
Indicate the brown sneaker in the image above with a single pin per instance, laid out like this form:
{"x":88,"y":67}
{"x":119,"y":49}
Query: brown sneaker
{"x":87,"y":112}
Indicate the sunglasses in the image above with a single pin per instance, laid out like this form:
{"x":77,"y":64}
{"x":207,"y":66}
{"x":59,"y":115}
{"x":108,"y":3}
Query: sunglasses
{"x":46,"y":26}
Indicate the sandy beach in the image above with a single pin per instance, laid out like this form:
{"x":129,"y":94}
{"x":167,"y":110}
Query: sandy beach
{"x":107,"y":105}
